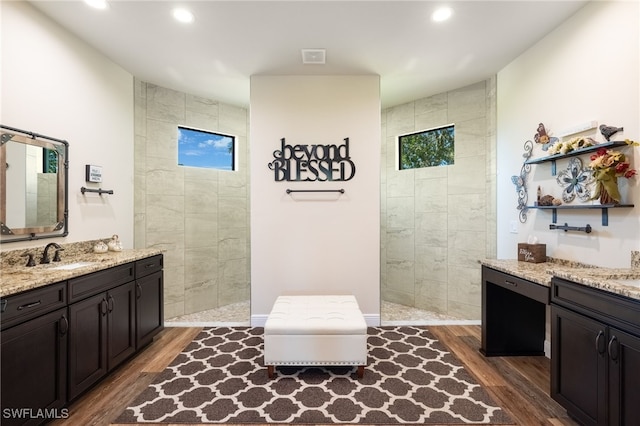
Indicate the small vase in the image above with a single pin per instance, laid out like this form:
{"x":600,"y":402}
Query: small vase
{"x":606,"y":198}
{"x":115,"y":244}
{"x":100,"y":247}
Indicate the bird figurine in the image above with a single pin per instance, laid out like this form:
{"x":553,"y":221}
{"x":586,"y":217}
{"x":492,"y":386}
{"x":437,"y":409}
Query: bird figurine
{"x":608,"y":131}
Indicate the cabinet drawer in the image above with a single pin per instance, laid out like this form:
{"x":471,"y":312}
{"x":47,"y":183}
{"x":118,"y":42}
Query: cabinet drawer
{"x":526,"y":288}
{"x":614,"y":309}
{"x":32,"y":303}
{"x":88,"y":285}
{"x":148,"y":266}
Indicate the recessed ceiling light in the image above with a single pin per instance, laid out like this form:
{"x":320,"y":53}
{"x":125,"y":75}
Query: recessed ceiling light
{"x":97,"y":4}
{"x":183,"y":15}
{"x":442,"y":14}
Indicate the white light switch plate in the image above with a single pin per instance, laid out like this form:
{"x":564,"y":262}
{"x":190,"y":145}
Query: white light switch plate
{"x":513,"y":226}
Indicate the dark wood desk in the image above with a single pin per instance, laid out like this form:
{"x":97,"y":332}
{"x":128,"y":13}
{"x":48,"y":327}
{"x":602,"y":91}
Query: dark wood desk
{"x":513,"y":314}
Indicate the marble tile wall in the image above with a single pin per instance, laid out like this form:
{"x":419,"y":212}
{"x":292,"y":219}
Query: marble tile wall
{"x":438,"y":221}
{"x":199,"y":216}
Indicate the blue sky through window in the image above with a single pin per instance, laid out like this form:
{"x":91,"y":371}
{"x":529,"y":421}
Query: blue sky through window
{"x":198,"y":148}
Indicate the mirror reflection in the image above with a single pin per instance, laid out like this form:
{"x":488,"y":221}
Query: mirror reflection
{"x":34,"y":203}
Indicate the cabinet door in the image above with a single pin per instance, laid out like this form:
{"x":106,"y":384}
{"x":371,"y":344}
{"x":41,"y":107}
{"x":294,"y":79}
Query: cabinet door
{"x":149,"y":308}
{"x":624,"y":378}
{"x":34,"y":367}
{"x":87,"y":343}
{"x":121,"y":324}
{"x":579,"y":365}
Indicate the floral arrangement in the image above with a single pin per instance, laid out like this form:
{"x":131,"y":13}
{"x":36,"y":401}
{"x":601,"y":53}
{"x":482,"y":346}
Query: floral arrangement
{"x":571,"y":145}
{"x":608,"y":165}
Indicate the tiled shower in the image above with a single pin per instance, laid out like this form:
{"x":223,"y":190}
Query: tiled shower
{"x":435,"y":222}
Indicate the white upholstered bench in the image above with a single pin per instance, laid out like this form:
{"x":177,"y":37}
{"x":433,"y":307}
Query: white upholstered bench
{"x":315,"y":330}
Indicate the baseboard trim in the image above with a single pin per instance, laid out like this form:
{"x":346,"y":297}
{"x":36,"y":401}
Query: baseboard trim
{"x":432,"y":322}
{"x":547,"y":349}
{"x":372,"y":320}
{"x":206,"y":324}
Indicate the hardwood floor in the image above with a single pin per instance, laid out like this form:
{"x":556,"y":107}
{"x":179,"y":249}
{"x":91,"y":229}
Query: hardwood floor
{"x":518,"y":384}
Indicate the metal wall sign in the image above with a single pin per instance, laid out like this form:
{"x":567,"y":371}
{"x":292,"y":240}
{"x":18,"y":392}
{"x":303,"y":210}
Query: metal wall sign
{"x":312,"y":163}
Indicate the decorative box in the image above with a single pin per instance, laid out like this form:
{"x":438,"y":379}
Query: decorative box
{"x":533,"y":253}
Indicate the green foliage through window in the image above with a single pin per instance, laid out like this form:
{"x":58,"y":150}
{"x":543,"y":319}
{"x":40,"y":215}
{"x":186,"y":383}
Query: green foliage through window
{"x":50,"y":161}
{"x":428,"y":148}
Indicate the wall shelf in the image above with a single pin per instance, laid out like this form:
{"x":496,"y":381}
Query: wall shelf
{"x":553,"y":158}
{"x":604,"y":207}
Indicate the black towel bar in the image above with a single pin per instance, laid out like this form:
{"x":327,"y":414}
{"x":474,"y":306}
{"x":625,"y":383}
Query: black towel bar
{"x":566,"y":228}
{"x":289,"y":191}
{"x":98,"y":191}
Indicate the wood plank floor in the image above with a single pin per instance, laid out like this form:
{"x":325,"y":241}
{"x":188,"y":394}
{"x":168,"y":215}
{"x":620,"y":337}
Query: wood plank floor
{"x":519,"y":384}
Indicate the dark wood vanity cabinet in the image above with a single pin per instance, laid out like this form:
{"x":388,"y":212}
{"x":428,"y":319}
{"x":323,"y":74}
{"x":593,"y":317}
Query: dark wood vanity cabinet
{"x":102,"y":335}
{"x":579,"y":362}
{"x":59,"y":340}
{"x":34,"y":356}
{"x":624,"y":378}
{"x":149,"y":299}
{"x":595,"y":354}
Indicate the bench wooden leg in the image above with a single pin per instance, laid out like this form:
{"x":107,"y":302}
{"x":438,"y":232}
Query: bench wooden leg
{"x":271,"y":369}
{"x":360,"y":371}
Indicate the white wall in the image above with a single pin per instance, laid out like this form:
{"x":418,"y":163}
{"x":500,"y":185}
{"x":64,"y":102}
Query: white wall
{"x":55,"y":84}
{"x":323,"y":243}
{"x":587,"y":69}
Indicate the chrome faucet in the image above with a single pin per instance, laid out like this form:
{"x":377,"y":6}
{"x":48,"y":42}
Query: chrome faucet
{"x":45,"y":254}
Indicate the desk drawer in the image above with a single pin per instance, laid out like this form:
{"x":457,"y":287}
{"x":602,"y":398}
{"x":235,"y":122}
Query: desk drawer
{"x":30,"y":304}
{"x":526,"y":288}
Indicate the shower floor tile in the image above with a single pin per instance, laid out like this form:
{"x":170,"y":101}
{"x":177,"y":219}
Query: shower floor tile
{"x":237,"y":314}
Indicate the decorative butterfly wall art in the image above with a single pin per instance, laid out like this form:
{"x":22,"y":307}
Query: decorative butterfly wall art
{"x":543,"y":138}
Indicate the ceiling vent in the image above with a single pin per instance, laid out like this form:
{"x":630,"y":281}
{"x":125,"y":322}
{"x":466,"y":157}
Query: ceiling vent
{"x":313,"y":56}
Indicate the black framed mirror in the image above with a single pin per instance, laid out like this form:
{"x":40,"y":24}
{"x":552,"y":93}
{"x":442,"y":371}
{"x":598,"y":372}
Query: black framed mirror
{"x":34,"y":186}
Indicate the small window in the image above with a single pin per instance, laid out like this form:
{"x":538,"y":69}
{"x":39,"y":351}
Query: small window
{"x":427,"y":148}
{"x":199,"y":148}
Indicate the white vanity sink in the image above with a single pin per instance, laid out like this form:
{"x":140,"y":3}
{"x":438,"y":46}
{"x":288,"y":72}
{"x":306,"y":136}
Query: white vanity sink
{"x":76,"y":265}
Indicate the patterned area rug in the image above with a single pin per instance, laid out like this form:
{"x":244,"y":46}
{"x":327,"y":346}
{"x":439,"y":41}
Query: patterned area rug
{"x":220,"y":378}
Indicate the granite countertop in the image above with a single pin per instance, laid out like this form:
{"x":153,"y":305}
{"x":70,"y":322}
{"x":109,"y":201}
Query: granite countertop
{"x":15,"y":277}
{"x":621,"y":281}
